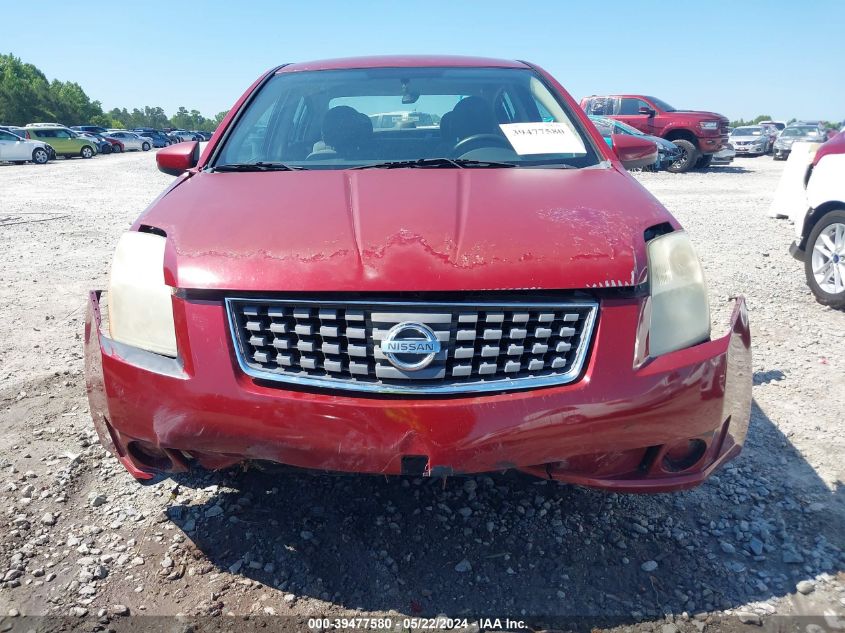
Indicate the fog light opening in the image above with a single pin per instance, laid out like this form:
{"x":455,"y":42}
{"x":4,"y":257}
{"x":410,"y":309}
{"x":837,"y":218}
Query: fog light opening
{"x":683,"y":455}
{"x":150,"y":456}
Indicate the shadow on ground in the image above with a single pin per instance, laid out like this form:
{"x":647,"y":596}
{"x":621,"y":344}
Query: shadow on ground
{"x":523,"y":546}
{"x":723,"y":169}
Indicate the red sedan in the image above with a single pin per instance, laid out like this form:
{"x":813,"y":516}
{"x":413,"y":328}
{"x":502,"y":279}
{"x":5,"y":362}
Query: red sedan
{"x":414,"y":265}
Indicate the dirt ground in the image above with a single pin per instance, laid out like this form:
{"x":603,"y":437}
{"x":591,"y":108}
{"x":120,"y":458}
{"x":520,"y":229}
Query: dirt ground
{"x":82,"y":541}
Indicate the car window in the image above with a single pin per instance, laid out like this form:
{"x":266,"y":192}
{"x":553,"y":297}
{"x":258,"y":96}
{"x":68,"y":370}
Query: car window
{"x":604,"y":126}
{"x":601,"y":106}
{"x":629,"y":106}
{"x":748,"y":131}
{"x":6,"y":136}
{"x":335,"y":119}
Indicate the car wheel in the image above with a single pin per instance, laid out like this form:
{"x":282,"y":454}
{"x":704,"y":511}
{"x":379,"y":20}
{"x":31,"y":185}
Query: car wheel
{"x":689,"y":156}
{"x":704,"y":161}
{"x":824,"y":263}
{"x":145,"y":147}
{"x":86,"y":152}
{"x":40,"y":156}
{"x":117,"y":149}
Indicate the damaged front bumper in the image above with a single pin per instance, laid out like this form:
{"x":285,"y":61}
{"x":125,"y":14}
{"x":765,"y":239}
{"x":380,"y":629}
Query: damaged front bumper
{"x":665,"y":425}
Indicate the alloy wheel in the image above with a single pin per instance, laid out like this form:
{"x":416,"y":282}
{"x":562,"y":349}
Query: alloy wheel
{"x":828,"y":259}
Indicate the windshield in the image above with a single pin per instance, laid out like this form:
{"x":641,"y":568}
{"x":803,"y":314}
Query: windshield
{"x":661,"y":104}
{"x":747,"y":131}
{"x":800,"y":131}
{"x":337,"y":119}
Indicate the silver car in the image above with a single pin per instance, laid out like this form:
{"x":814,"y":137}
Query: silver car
{"x":793,"y":133}
{"x":750,"y":140}
{"x":184,"y":135}
{"x":131,"y":140}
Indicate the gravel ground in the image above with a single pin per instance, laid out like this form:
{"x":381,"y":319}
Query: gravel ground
{"x":82,"y":540}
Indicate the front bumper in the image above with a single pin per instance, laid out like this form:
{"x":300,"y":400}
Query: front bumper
{"x":781,"y":152}
{"x":612,"y":429}
{"x":710,"y":142}
{"x":750,"y":150}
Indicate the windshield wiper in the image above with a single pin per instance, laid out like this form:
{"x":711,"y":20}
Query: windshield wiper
{"x":459,"y":163}
{"x":259,"y":166}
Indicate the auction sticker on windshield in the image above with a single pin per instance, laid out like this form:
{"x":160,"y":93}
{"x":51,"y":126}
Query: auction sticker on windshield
{"x":543,"y":138}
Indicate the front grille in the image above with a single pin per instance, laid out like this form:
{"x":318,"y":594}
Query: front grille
{"x":483,"y":346}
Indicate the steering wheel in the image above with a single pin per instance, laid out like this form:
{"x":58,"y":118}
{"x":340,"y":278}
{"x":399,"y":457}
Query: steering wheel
{"x":479,"y":140}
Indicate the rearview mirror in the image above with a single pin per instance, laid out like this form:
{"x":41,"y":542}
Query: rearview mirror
{"x":646,"y":111}
{"x":633,"y":151}
{"x":179,"y":158}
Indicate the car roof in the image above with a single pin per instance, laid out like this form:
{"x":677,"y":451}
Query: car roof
{"x":402,"y":61}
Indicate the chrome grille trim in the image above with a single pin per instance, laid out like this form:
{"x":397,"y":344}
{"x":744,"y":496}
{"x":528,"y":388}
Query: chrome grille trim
{"x":333,"y":344}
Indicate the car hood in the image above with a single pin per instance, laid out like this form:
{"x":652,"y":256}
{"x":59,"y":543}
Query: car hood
{"x":406,"y":230}
{"x":746,"y":138}
{"x":702,"y":114}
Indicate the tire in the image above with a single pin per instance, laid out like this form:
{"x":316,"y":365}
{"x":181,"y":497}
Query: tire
{"x":704,"y":161}
{"x":40,"y":156}
{"x":145,"y":147}
{"x":116,"y":149}
{"x":688,"y":159}
{"x":86,"y":152}
{"x":829,"y":289}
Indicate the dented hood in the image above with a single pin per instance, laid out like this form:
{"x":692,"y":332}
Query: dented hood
{"x":406,"y":230}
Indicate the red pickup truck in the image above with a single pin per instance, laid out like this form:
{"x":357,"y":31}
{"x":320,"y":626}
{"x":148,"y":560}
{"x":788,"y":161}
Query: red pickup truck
{"x":699,"y":135}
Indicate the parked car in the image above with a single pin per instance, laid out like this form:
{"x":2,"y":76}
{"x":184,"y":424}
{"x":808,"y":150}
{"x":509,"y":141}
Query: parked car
{"x":363,"y":334}
{"x":100,"y":144}
{"x":185,"y":135}
{"x":818,"y":210}
{"x":772,"y":132}
{"x":667,"y":152}
{"x":724,"y":156}
{"x":116,"y":145}
{"x":779,"y":125}
{"x":201,"y":136}
{"x":158,"y":138}
{"x":19,"y":150}
{"x":698,"y":135}
{"x":62,"y":140}
{"x":750,"y":140}
{"x":783,"y":145}
{"x":131,"y":141}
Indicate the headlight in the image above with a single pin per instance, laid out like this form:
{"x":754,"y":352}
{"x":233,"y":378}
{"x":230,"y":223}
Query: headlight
{"x":709,"y":125}
{"x":140,"y":307}
{"x":680,"y":311}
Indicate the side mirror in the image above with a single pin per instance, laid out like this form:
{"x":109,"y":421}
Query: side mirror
{"x":179,"y":158}
{"x":633,"y":151}
{"x":647,"y":111}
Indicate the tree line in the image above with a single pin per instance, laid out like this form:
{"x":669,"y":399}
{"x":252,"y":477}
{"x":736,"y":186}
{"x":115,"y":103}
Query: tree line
{"x":765,"y":117}
{"x":26,"y":96}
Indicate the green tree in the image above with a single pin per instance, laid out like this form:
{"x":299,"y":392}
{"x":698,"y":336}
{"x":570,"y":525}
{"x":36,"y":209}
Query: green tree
{"x":26,"y":96}
{"x":24,"y":92}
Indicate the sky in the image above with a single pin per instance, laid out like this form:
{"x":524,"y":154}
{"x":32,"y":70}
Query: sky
{"x":740,"y":58}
